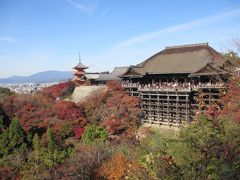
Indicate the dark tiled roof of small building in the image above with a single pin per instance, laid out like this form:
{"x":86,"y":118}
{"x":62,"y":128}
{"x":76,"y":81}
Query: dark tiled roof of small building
{"x":108,"y":77}
{"x":92,"y":75}
{"x":114,"y":75}
{"x":119,"y":70}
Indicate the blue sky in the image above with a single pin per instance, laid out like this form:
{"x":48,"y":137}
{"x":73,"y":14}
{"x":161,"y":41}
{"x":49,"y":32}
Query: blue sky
{"x":48,"y":34}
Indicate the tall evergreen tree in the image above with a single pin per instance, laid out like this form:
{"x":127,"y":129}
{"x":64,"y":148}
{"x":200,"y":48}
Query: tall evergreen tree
{"x":12,"y":138}
{"x":51,"y":143}
{"x":36,"y":146}
{"x":16,"y":134}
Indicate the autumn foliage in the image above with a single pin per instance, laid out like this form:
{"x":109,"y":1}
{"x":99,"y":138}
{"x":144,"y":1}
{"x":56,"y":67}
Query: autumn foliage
{"x":115,"y":168}
{"x":114,"y":109}
{"x":231,"y":99}
{"x":78,"y":131}
{"x":59,"y":90}
{"x":54,"y":138}
{"x":39,"y":111}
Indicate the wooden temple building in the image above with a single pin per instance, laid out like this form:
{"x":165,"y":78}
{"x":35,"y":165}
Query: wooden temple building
{"x":178,"y":82}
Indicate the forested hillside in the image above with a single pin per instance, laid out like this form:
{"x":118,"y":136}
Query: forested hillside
{"x":46,"y":136}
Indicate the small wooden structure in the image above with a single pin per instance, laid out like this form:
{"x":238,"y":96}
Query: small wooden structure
{"x":113,"y":76}
{"x":177,"y":83}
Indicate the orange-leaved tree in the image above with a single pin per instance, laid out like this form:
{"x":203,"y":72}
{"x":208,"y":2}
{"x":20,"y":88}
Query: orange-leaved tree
{"x":116,"y":168}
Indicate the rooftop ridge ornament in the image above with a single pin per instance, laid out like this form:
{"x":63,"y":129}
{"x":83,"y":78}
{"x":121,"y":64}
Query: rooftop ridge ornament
{"x":80,"y":65}
{"x":79,"y":58}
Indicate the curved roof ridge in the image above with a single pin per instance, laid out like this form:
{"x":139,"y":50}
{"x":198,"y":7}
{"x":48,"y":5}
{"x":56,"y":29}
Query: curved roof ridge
{"x":121,"y":67}
{"x":186,"y":45}
{"x":145,"y":61}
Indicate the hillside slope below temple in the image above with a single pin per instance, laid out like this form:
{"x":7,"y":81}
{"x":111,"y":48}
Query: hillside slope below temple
{"x":82,"y":92}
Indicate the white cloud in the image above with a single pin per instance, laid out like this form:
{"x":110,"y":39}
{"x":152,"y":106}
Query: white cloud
{"x":82,"y":7}
{"x":177,"y":28}
{"x":8,"y":39}
{"x":102,"y":15}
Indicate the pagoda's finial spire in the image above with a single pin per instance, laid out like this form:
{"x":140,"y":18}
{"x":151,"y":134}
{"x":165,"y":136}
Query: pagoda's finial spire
{"x":79,"y":57}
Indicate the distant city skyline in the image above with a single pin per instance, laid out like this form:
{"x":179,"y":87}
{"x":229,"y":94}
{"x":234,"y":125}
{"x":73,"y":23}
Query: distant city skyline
{"x":46,"y":35}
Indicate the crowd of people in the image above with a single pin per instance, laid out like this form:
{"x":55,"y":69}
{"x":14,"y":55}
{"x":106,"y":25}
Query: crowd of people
{"x":173,"y":86}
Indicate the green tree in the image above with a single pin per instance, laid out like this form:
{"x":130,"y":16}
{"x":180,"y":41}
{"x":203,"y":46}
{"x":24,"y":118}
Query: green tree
{"x":55,"y":153}
{"x":12,"y":138}
{"x":44,"y":157}
{"x":4,"y":143}
{"x":202,"y":139}
{"x":16,"y":134}
{"x":51,"y":143}
{"x":4,"y":93}
{"x":213,"y":148}
{"x":94,"y":133}
{"x":206,"y":149}
{"x":232,"y":57}
{"x":36,"y":146}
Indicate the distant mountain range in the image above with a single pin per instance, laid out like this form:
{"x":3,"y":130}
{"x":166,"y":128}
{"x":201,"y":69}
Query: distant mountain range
{"x":41,"y":77}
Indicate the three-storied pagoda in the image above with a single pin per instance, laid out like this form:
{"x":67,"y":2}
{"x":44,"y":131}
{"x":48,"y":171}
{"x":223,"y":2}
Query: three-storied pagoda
{"x":79,"y":72}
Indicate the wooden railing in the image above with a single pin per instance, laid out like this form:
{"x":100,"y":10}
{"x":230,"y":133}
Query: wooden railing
{"x":185,"y":87}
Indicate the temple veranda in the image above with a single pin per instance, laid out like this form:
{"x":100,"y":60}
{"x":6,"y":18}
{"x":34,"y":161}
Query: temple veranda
{"x":175,"y":107}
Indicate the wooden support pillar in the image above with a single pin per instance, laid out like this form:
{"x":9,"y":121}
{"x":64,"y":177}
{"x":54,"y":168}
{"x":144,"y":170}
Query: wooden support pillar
{"x":199,"y":107}
{"x":141,"y":100}
{"x":162,"y":117}
{"x":177,"y":106}
{"x":149,"y":108}
{"x":187,"y":108}
{"x":168,"y":119}
{"x":158,"y":107}
{"x":209,"y":96}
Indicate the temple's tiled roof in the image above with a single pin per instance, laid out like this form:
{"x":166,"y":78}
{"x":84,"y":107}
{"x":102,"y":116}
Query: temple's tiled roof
{"x":178,"y":59}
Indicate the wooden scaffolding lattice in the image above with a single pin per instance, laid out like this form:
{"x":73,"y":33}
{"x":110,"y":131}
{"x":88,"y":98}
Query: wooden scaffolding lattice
{"x":173,"y":108}
{"x":167,"y":108}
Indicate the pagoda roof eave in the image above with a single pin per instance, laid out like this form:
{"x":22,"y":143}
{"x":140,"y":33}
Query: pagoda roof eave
{"x":76,"y":67}
{"x":81,"y":66}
